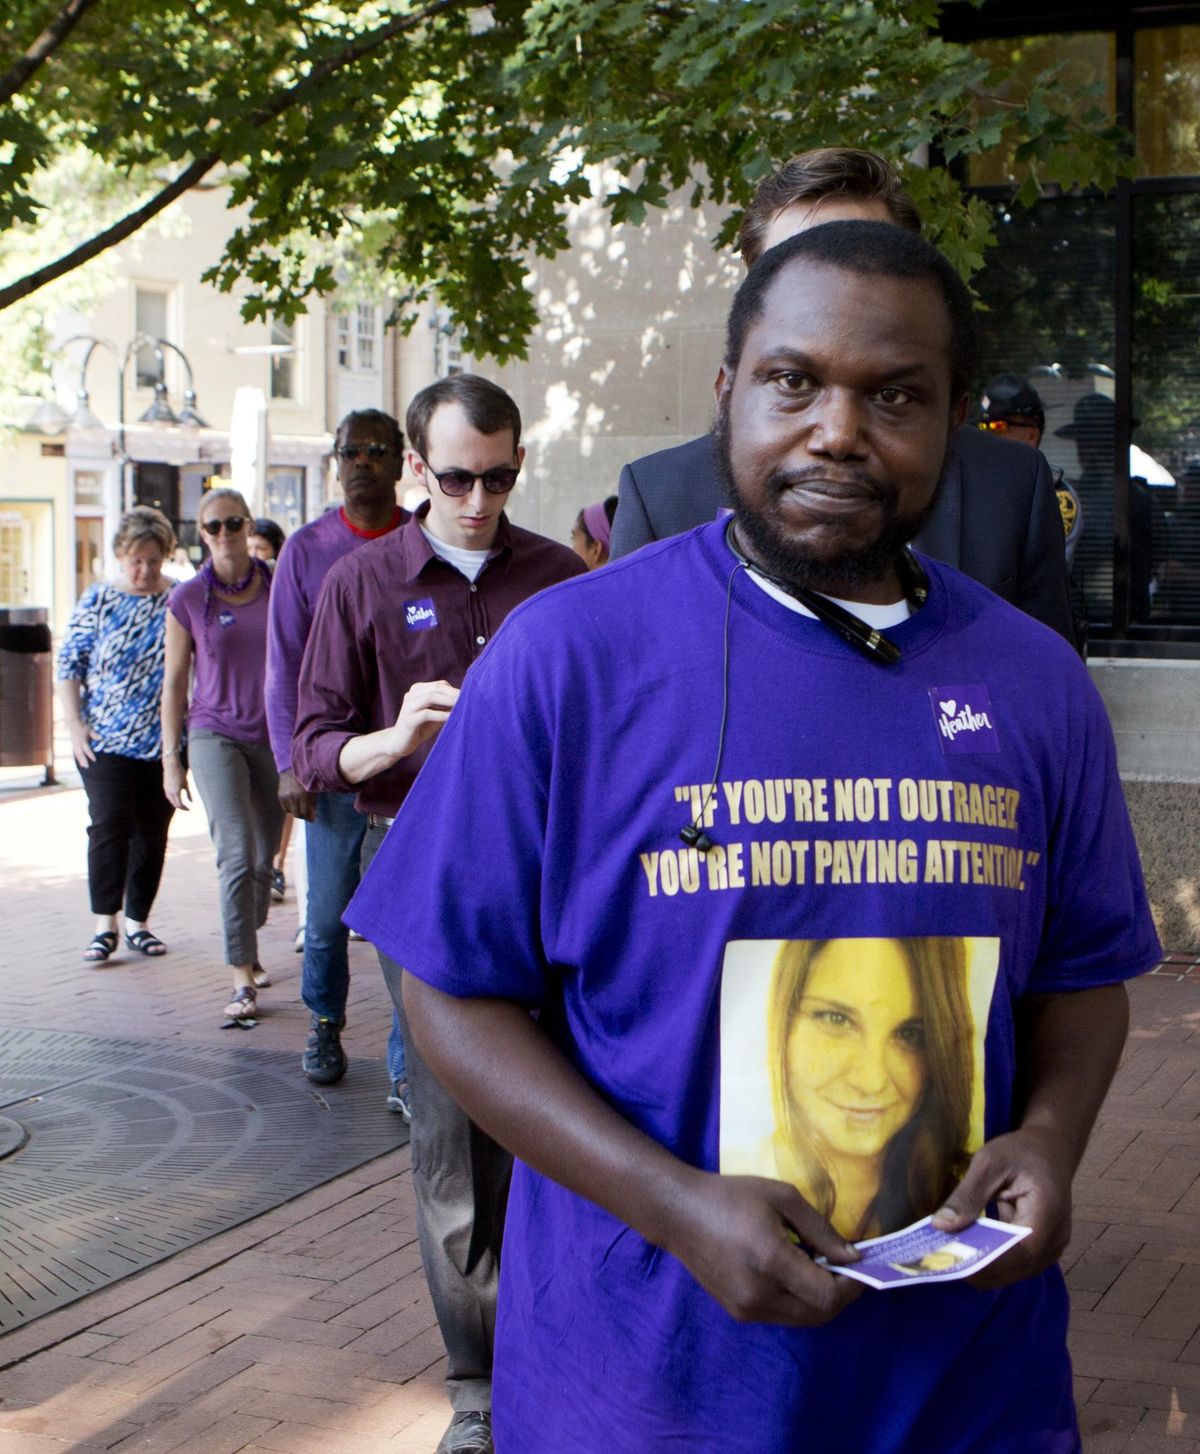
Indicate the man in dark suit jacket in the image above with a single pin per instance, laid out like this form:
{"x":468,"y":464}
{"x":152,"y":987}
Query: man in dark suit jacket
{"x":997,"y":517}
{"x":996,"y":520}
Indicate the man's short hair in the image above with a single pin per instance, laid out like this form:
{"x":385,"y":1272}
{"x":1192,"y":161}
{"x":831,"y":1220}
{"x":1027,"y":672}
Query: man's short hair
{"x":372,"y":416}
{"x":830,"y":171}
{"x":488,"y":408}
{"x":870,"y":248}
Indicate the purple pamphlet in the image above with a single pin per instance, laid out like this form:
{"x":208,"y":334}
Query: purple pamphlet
{"x":922,"y":1253}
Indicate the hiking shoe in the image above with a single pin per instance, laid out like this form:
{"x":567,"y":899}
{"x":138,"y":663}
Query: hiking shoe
{"x":278,"y":884}
{"x":324,"y":1059}
{"x":469,"y":1433}
{"x":400,"y":1100}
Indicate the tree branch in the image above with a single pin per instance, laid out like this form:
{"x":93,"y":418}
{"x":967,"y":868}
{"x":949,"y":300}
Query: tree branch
{"x":102,"y":241}
{"x":42,"y":48}
{"x":372,"y":40}
{"x":275,"y":107}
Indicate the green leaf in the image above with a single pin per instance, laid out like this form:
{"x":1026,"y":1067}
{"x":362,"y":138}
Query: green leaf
{"x":442,"y":158}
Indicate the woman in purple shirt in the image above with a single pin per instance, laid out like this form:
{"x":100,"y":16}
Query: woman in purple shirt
{"x":218,"y":624}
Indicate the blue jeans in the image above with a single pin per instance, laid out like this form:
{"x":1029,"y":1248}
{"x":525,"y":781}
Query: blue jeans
{"x":396,"y":1059}
{"x":333,"y":845}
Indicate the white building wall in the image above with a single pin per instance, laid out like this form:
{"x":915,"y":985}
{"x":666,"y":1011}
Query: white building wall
{"x":625,"y":356}
{"x":201,"y":320}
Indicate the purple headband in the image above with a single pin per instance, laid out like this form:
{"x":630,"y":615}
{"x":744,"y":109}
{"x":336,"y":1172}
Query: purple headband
{"x":595,"y":522}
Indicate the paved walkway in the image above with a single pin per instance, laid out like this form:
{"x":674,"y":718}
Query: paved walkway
{"x":309,"y":1329}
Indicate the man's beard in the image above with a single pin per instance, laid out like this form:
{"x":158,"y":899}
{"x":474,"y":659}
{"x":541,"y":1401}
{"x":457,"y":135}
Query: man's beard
{"x":794,"y":562}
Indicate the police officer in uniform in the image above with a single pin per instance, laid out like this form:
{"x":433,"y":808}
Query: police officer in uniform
{"x":1011,"y":406}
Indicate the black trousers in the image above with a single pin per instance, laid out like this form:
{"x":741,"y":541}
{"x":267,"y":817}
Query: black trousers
{"x":127,"y":837}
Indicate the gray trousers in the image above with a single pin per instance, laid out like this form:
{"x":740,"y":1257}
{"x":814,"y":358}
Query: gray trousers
{"x":460,"y":1179}
{"x":238,"y":785}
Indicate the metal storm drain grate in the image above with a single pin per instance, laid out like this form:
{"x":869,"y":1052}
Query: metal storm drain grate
{"x":137,"y":1149}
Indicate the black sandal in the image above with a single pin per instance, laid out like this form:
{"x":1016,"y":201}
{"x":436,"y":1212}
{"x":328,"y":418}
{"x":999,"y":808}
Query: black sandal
{"x":243,"y":1005}
{"x":101,"y":947}
{"x":143,"y":942}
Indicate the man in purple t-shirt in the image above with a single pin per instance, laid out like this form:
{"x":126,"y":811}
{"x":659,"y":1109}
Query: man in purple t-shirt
{"x":811,"y":859}
{"x":396,"y":628}
{"x":370,"y":456}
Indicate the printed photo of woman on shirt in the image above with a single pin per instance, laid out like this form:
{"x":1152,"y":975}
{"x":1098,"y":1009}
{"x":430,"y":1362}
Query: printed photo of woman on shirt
{"x":874,"y":1066}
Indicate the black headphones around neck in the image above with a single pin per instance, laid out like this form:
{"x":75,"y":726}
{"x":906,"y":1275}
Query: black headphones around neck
{"x":877,"y":648}
{"x":913,"y":582}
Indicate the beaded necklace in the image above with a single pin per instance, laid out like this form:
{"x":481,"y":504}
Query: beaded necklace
{"x":213,"y":582}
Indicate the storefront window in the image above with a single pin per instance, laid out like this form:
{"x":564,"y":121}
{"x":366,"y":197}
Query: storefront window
{"x":285,"y":496}
{"x":1167,"y":105}
{"x":1165,"y":509}
{"x":1049,"y":316}
{"x":283,"y":362}
{"x":89,"y":487}
{"x":1087,"y":59}
{"x":1096,"y":300}
{"x":89,"y":552}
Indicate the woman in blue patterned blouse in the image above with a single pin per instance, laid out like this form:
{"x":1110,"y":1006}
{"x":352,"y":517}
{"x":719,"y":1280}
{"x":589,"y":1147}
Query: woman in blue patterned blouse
{"x":110,"y":675}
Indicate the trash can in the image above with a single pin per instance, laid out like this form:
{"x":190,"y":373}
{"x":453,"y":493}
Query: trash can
{"x":26,"y":689}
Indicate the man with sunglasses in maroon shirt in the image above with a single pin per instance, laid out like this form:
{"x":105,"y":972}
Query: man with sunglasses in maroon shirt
{"x":396,"y":627}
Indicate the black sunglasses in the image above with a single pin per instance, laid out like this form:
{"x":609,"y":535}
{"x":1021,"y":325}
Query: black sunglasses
{"x":372,"y":451}
{"x":496,"y":481}
{"x":232,"y":523}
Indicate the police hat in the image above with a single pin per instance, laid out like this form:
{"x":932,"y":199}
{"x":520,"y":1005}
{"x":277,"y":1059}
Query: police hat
{"x":1095,"y":417}
{"x":1011,"y":397}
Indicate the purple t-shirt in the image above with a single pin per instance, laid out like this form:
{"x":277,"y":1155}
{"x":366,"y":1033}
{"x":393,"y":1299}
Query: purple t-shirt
{"x":299,"y":574}
{"x":230,"y":658}
{"x":951,"y":828}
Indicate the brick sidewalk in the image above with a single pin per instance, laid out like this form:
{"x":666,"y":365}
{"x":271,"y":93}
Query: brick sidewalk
{"x":180,"y":996}
{"x":307,"y":1328}
{"x":310,"y":1329}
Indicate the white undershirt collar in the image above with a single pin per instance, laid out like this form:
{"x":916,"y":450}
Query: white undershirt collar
{"x":467,"y":562}
{"x":879,"y":618}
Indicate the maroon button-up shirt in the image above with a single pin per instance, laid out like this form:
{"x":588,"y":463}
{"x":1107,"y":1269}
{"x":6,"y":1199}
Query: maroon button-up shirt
{"x":393,"y":613}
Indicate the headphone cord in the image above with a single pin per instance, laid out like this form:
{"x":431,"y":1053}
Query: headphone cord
{"x":915,"y":584}
{"x":694,"y":835}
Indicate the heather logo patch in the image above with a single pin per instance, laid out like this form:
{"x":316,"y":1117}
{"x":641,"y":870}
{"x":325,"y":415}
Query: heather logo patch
{"x":420,"y":615}
{"x":226,"y":618}
{"x":964,"y":719}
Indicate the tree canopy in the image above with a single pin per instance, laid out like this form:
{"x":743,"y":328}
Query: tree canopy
{"x":441,"y":139}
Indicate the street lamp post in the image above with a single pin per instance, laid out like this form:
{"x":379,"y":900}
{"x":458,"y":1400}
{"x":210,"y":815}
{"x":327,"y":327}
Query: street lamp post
{"x":159,"y":412}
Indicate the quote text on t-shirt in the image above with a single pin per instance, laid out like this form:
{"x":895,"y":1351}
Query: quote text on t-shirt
{"x":888,"y":856}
